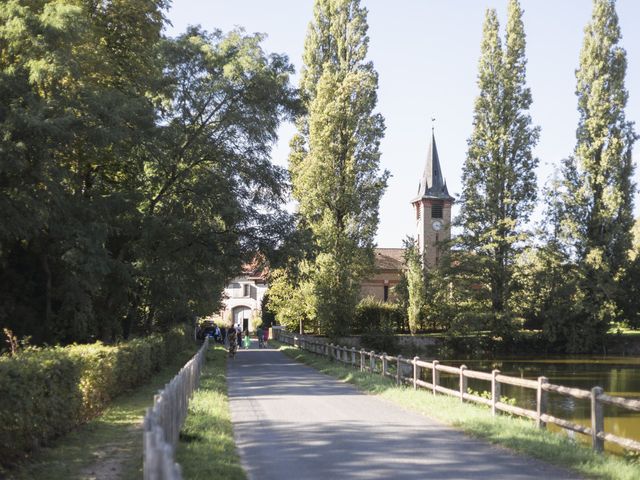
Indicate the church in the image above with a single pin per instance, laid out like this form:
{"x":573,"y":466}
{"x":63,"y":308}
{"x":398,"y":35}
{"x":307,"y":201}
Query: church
{"x":432,"y":213}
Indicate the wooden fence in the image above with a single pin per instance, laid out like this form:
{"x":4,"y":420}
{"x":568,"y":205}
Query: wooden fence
{"x":409,"y":371}
{"x":163,"y":421}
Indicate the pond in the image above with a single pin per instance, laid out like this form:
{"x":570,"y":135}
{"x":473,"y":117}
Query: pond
{"x":619,"y":376}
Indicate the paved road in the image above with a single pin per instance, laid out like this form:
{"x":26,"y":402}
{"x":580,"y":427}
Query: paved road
{"x":292,"y":422}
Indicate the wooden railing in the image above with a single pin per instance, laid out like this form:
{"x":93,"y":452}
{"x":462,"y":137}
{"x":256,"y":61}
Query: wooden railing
{"x":163,"y":421}
{"x":409,"y":371}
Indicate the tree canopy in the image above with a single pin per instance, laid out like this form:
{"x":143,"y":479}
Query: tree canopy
{"x":134,"y":168}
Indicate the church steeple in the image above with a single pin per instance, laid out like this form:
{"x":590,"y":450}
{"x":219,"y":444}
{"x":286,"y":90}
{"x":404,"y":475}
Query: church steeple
{"x":432,"y":208}
{"x":433,"y":184}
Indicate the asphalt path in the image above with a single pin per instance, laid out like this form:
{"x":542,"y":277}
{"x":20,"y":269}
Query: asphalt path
{"x":292,"y":422}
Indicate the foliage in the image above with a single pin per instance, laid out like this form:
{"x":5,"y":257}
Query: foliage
{"x":401,"y":293}
{"x":598,"y":180}
{"x":415,"y":284}
{"x":334,"y":160}
{"x":499,"y":182}
{"x":134,"y":169}
{"x":108,"y":444}
{"x":376,"y":322}
{"x":47,"y":392}
{"x":291,"y":299}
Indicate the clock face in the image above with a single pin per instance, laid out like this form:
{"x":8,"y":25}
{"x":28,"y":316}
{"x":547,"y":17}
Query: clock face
{"x":437,"y":225}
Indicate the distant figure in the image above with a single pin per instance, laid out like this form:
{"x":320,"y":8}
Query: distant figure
{"x":232,"y":338}
{"x":260,"y":335}
{"x":246,"y":340}
{"x":239,"y":334}
{"x":266,"y":337}
{"x":217,"y":335}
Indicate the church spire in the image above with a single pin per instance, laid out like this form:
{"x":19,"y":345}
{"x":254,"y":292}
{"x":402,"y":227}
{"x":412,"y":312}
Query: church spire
{"x":433,"y":184}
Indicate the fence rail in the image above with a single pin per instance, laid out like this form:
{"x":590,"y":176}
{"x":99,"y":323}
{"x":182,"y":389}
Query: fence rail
{"x":397,"y":367}
{"x":163,"y":421}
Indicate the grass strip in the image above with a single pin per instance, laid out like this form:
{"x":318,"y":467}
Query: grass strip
{"x":207,"y":448}
{"x":109,"y":446}
{"x":516,"y":433}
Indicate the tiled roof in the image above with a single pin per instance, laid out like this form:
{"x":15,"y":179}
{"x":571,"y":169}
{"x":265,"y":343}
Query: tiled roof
{"x":389,"y":258}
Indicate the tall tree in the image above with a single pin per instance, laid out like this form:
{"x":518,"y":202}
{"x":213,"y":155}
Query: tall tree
{"x":499,"y":181}
{"x":599,"y":176}
{"x":415,"y":284}
{"x":134,"y":169}
{"x":334,"y":162}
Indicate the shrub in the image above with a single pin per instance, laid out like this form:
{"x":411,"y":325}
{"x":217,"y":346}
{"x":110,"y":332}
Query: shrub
{"x":376,"y":322}
{"x":47,"y":392}
{"x":373,"y":315}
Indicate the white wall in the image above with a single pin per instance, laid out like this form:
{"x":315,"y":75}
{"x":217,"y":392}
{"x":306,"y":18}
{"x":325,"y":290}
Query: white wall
{"x":242,"y":292}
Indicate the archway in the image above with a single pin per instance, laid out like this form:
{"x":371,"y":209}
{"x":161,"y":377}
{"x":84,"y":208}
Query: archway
{"x":242,"y":317}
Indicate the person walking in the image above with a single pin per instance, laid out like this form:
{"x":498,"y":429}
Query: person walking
{"x":232,"y":338}
{"x":260,"y":335}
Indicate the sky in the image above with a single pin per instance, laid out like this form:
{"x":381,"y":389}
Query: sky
{"x":426,"y":54}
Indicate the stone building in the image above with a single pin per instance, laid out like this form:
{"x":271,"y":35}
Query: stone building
{"x":432,"y":208}
{"x":243,"y":297}
{"x":432,"y":212}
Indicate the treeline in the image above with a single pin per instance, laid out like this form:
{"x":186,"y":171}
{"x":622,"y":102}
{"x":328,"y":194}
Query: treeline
{"x":575,"y":274}
{"x":134,"y":168}
{"x":571,"y":277}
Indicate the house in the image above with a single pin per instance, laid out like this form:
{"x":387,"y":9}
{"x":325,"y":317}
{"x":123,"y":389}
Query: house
{"x":243,"y":297}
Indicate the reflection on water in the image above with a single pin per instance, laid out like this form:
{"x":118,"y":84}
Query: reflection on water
{"x":618,"y":376}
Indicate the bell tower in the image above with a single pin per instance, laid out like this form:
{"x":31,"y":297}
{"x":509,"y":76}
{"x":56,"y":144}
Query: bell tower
{"x":432,"y":208}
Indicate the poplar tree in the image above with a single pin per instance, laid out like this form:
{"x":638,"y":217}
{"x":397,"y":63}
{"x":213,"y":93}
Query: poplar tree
{"x":334,"y":162}
{"x":415,"y":284}
{"x":499,"y":181}
{"x":599,"y":175}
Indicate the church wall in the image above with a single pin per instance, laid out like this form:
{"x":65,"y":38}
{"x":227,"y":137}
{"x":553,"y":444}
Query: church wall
{"x":374,"y":286}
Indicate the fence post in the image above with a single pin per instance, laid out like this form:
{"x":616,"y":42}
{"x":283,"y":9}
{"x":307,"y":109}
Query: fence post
{"x":415,"y":372}
{"x":435,"y":376}
{"x":398,"y":369}
{"x":372,"y":361}
{"x":362,"y":359}
{"x":495,"y":391}
{"x":597,"y":420}
{"x":353,"y":356}
{"x":463,"y":382}
{"x":384,"y":364}
{"x":541,"y":401}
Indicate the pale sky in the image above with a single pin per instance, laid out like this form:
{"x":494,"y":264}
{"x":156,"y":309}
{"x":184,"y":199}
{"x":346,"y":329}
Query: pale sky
{"x":426,"y":54}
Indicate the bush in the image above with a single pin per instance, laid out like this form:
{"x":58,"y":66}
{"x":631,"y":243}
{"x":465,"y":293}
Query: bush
{"x":373,"y":315}
{"x":47,"y":392}
{"x":376,"y":322}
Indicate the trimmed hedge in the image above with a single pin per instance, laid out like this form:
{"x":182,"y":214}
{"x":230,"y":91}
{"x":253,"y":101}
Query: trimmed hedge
{"x":47,"y":392}
{"x":376,"y":322}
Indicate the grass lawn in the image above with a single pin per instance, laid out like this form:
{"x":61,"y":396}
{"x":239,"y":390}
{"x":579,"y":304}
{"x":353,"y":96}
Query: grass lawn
{"x":108,"y":447}
{"x":207,"y":449}
{"x":518,"y":434}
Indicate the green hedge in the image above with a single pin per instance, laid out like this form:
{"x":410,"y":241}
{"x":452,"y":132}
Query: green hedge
{"x":376,"y":323}
{"x":44,"y":393}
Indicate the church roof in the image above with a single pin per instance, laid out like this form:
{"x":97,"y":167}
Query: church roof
{"x":389,"y":258}
{"x":433,"y":184}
